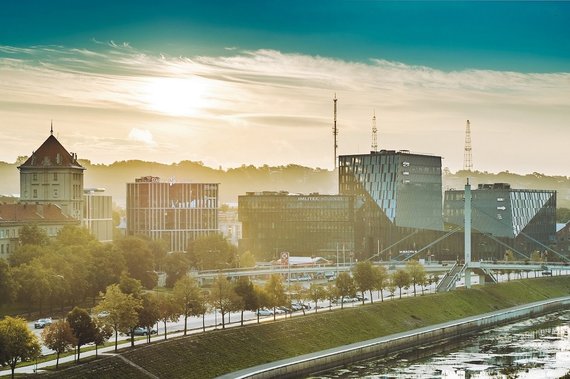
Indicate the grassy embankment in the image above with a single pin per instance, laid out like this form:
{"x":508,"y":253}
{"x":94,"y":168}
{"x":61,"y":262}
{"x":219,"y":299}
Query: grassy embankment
{"x":214,"y":353}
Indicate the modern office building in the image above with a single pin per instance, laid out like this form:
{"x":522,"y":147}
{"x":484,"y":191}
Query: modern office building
{"x":52,"y":175}
{"x":174,"y":212}
{"x":524,"y":219}
{"x":401,"y":194}
{"x":98,"y":214}
{"x":309,"y":225}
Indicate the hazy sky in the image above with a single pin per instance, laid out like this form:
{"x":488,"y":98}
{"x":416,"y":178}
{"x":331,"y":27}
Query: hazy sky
{"x":252,"y":82}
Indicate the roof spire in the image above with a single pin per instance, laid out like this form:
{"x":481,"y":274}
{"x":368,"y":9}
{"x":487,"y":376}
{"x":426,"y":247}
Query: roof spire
{"x":51,"y":129}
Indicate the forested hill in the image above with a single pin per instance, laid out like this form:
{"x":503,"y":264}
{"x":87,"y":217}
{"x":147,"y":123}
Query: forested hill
{"x":238,"y":181}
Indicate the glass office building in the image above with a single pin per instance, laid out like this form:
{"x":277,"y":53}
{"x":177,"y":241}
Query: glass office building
{"x":401,"y":194}
{"x":306,"y":225}
{"x":524,"y":219}
{"x":174,"y":212}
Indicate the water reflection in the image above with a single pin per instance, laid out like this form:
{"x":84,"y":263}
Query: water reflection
{"x":538,"y":348}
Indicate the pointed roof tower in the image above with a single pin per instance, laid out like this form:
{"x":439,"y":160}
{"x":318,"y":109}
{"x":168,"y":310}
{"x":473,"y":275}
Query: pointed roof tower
{"x":52,"y":154}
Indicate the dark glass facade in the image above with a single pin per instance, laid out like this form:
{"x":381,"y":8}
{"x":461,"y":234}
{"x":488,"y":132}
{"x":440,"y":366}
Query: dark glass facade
{"x":405,"y":187}
{"x":307,"y":225}
{"x":399,"y":194}
{"x":523,"y":219}
{"x":174,"y":212}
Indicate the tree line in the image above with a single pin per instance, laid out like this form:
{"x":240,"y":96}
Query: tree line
{"x":126,"y":305}
{"x":42,"y":274}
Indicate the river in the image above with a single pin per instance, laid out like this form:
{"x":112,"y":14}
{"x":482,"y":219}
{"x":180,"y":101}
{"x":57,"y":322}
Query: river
{"x":537,"y":348}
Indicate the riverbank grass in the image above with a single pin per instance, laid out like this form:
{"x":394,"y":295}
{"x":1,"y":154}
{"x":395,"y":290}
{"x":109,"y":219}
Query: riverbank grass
{"x":215,"y":353}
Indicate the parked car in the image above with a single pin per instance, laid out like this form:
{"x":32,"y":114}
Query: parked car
{"x":42,"y":323}
{"x":140,"y":331}
{"x":264,"y":312}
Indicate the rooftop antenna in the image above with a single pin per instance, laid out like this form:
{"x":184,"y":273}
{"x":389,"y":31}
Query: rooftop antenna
{"x":467,"y":158}
{"x":335,"y":130}
{"x":374,"y":134}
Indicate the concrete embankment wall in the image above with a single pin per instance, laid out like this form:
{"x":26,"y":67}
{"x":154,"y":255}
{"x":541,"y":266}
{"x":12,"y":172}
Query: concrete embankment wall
{"x":310,"y":363}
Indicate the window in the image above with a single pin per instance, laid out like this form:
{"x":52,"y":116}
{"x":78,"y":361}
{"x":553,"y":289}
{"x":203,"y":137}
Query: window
{"x":55,"y":176}
{"x":35,"y":194}
{"x":35,"y":176}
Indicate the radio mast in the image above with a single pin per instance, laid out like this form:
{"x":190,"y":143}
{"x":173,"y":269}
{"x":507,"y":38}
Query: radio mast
{"x":467,"y":157}
{"x":335,"y":131}
{"x":374,"y":134}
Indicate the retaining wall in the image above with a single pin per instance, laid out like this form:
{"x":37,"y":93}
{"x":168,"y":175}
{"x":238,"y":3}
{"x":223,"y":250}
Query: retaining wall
{"x":327,"y":359}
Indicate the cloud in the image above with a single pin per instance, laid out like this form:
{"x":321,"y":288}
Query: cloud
{"x":243,"y":106}
{"x":143,"y":136}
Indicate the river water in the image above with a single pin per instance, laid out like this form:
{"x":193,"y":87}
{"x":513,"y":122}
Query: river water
{"x":537,"y":348}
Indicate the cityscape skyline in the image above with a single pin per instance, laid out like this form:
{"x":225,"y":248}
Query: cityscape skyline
{"x":254,"y":84}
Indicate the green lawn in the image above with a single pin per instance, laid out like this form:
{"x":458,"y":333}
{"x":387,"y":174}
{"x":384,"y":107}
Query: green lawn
{"x":214,"y":353}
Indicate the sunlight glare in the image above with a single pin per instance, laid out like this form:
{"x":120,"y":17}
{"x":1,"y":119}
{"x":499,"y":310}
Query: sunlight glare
{"x":176,"y":97}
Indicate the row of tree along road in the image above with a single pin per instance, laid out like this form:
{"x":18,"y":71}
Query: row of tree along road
{"x":126,"y":305}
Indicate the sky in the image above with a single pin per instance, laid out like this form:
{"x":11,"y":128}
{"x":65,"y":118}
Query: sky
{"x":252,"y":82}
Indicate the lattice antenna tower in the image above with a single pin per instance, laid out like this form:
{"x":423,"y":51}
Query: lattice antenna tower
{"x":374,"y":133}
{"x":468,"y":158}
{"x":335,"y":130}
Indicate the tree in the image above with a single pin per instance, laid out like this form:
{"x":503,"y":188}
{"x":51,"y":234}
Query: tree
{"x":27,"y":253}
{"x":298,"y":295}
{"x":364,"y":278}
{"x":33,"y":284}
{"x":276,"y":292}
{"x":509,"y":257}
{"x":316,"y":293}
{"x":149,"y":314}
{"x":8,"y":287}
{"x":345,"y":286}
{"x":130,"y":286}
{"x":17,"y":342}
{"x":212,"y":252}
{"x":536,"y":256}
{"x":245,"y":289}
{"x":331,"y":293}
{"x":102,"y":333}
{"x":264,"y":300}
{"x":122,"y":310}
{"x":105,"y":267}
{"x":139,"y":260}
{"x":159,"y":248}
{"x":71,"y":235}
{"x":82,"y":326}
{"x":59,"y":337}
{"x":381,"y":279}
{"x":167,"y":309}
{"x":32,"y":234}
{"x":221,"y":296}
{"x":417,"y":273}
{"x":247,"y":259}
{"x":176,"y":266}
{"x":401,"y":279}
{"x":187,"y":295}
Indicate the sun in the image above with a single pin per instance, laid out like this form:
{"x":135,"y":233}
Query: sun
{"x":176,"y":96}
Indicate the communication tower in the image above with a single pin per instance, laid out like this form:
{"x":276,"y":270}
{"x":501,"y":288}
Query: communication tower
{"x":467,"y":158}
{"x":335,"y":131}
{"x":374,"y":133}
